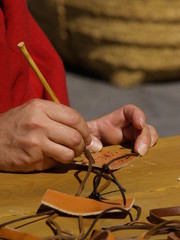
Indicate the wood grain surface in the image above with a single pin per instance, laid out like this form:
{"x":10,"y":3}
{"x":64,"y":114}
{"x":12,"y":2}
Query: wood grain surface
{"x":152,"y":179}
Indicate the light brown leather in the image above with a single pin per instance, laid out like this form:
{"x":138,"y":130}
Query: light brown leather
{"x":75,"y":205}
{"x":106,"y":155}
{"x":12,"y":234}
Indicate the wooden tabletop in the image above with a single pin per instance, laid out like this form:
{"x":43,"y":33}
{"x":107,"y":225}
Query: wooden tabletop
{"x":152,"y":179}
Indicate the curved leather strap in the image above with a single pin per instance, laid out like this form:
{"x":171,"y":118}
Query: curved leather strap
{"x":76,"y":205}
{"x":174,"y":236}
{"x":156,"y":215}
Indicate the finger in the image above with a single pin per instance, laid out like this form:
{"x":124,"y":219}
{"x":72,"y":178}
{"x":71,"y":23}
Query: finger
{"x":130,"y":133}
{"x":53,"y":121}
{"x":135,"y":116}
{"x":143,"y":141}
{"x":58,"y":152}
{"x":69,"y":117}
{"x":66,"y":136}
{"x":154,"y":135}
{"x":95,"y":145}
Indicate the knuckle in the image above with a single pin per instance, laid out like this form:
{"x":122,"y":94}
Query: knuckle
{"x":32,"y":123}
{"x":34,"y":142}
{"x":132,"y":108}
{"x":129,"y":106}
{"x":32,"y":115}
{"x":35,"y":103}
{"x":26,"y":163}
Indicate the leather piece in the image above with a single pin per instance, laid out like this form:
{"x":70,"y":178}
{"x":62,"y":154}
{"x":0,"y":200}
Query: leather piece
{"x":174,"y":236}
{"x":156,"y":215}
{"x":102,"y":235}
{"x":75,"y":205}
{"x":13,"y":234}
{"x":106,"y":155}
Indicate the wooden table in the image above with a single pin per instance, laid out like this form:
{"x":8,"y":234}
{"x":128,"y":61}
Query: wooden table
{"x":152,"y":179}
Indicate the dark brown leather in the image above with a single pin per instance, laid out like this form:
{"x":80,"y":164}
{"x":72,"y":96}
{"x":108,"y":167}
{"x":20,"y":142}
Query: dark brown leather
{"x":102,"y":235}
{"x":156,"y":215}
{"x":174,"y":236}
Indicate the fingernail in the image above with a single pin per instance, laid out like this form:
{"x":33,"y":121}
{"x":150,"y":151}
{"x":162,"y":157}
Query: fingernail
{"x":95,"y":145}
{"x":142,"y":149}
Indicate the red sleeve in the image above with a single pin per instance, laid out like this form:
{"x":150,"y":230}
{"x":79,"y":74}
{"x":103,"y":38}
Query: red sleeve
{"x":18,"y":82}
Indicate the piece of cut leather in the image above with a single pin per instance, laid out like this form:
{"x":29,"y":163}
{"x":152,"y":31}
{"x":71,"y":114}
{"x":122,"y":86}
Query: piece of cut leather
{"x":174,"y":236}
{"x":156,"y":215}
{"x":13,"y":234}
{"x":102,"y":235}
{"x":80,"y":206}
{"x":106,"y":155}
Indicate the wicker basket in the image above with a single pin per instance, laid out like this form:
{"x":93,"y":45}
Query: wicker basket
{"x":127,"y":42}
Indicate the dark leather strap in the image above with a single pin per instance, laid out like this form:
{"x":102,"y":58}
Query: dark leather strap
{"x":174,"y":236}
{"x":156,"y":215}
{"x":102,"y":235}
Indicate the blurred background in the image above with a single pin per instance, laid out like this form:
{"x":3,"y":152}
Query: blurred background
{"x":118,"y":52}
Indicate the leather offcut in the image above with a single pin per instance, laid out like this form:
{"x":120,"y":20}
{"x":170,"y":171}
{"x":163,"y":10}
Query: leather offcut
{"x":115,"y":156}
{"x":80,"y":206}
{"x":13,"y":234}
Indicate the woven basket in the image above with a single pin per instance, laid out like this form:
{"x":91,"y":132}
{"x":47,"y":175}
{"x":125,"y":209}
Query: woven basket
{"x":127,"y":42}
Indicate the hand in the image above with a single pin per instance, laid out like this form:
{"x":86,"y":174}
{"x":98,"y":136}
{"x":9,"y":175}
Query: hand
{"x":40,"y":133}
{"x":127,"y":124}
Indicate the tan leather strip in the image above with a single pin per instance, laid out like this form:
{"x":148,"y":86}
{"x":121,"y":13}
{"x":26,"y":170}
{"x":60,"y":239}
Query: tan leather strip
{"x":75,"y":205}
{"x":12,"y":234}
{"x":106,"y":155}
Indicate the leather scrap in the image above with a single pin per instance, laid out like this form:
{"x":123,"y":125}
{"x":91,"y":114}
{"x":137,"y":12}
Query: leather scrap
{"x":156,"y":215}
{"x":174,"y":236}
{"x":119,"y":156}
{"x":102,"y":235}
{"x":81,"y":206}
{"x":13,"y":234}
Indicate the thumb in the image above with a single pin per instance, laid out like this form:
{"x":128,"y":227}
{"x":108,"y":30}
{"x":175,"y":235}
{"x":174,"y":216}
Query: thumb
{"x":95,"y":145}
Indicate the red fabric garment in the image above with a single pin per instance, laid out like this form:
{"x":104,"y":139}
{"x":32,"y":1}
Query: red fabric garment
{"x":18,"y":82}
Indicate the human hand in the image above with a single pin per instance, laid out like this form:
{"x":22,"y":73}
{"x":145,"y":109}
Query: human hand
{"x":126,"y":124}
{"x":40,"y":133}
